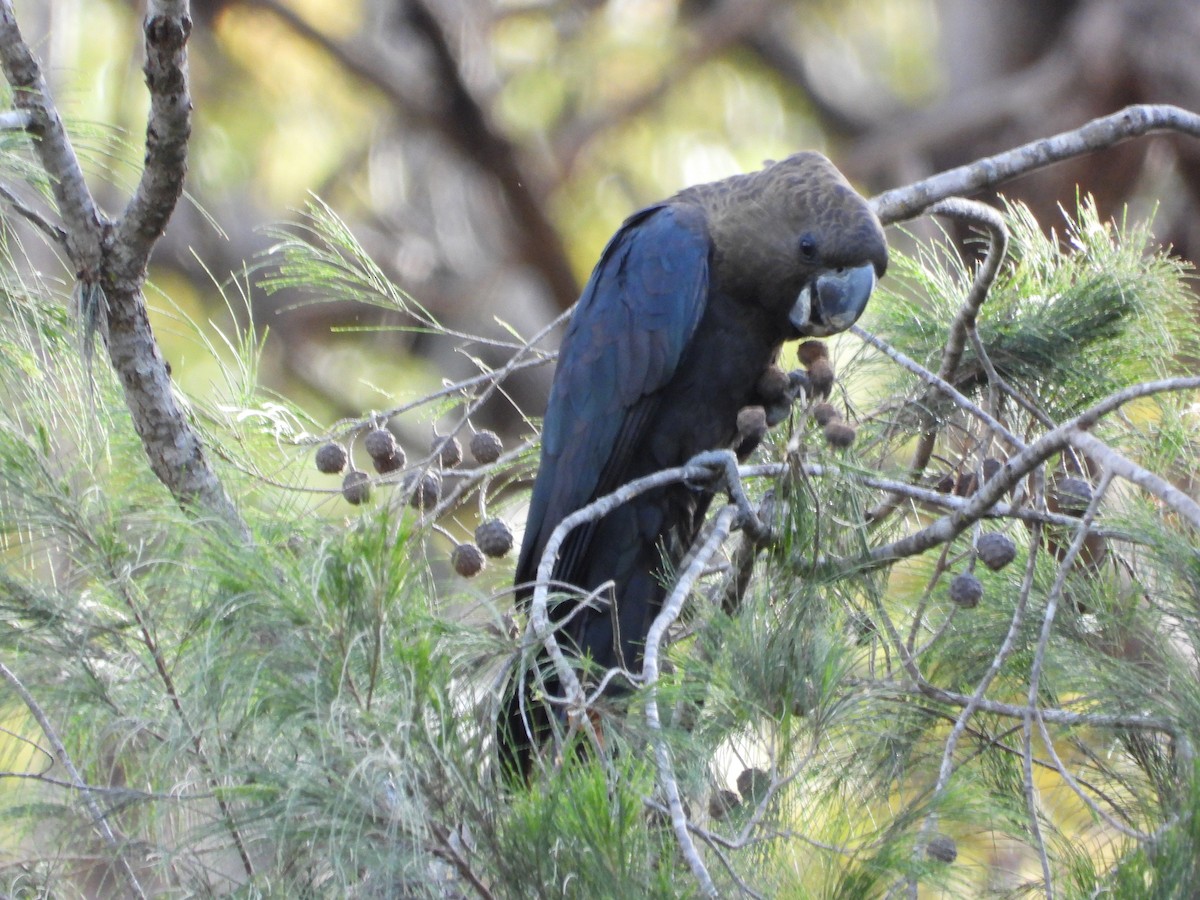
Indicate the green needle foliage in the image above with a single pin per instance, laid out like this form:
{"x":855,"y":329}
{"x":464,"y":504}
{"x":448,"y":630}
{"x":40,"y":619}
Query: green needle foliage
{"x":1074,"y":317}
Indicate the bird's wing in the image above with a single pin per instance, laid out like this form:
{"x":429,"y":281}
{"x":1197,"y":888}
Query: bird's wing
{"x":635,"y":317}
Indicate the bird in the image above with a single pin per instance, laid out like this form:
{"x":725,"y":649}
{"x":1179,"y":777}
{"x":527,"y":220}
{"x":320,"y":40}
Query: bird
{"x":686,"y":309}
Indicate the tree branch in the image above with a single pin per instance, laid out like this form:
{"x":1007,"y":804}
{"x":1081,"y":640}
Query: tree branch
{"x":83,"y":219}
{"x":671,"y":608}
{"x":1014,"y":469}
{"x":166,"y":30}
{"x":1114,"y":462}
{"x":460,"y":119}
{"x":961,"y":328}
{"x":57,"y":235}
{"x":904,"y":203}
{"x":110,"y":258}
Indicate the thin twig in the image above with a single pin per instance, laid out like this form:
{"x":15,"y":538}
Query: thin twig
{"x":56,"y":234}
{"x":1035,"y":673}
{"x":921,"y":686}
{"x":1110,"y":459}
{"x":938,"y":382}
{"x":961,"y":329}
{"x":667,"y":615}
{"x":1063,"y":770}
{"x":99,"y":820}
{"x":1015,"y":469}
{"x":1007,"y":646}
{"x":447,"y":851}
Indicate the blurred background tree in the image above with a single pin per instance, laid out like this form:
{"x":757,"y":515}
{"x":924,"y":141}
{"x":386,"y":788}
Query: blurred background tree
{"x":484,"y":151}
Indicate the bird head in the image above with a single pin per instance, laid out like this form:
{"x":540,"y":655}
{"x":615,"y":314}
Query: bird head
{"x":798,"y":240}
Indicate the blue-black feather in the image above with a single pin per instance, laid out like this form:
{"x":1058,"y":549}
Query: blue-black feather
{"x":634,"y":321}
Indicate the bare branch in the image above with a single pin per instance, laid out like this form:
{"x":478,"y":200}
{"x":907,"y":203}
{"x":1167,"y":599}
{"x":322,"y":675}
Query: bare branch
{"x":1114,"y":462}
{"x":84,"y":221}
{"x":110,"y":259}
{"x":57,"y":235}
{"x":904,"y":203}
{"x":168,"y":128}
{"x":1051,"y":715}
{"x":984,"y":216}
{"x":1016,"y":468}
{"x":670,"y":611}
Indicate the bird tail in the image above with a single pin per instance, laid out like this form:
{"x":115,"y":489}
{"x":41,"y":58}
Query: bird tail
{"x":523,"y":725}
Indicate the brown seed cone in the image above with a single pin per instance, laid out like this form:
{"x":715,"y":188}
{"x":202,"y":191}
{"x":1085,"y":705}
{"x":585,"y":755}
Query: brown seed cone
{"x":448,"y":450}
{"x":380,"y":443}
{"x":810,"y":351}
{"x":942,"y":848}
{"x":996,"y":550}
{"x":426,"y":489}
{"x":839,"y":435}
{"x":722,"y":803}
{"x":356,"y":487}
{"x":331,"y":458}
{"x":820,"y":376}
{"x":966,"y":590}
{"x":467,"y":559}
{"x":393,"y":463}
{"x":494,"y":537}
{"x":1070,"y":496}
{"x":824,"y":413}
{"x":966,"y":484}
{"x":751,"y":423}
{"x":752,"y":784}
{"x":773,"y":385}
{"x":486,"y":447}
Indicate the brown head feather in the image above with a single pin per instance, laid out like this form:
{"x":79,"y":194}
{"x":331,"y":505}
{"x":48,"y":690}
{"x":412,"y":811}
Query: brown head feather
{"x":762,"y":223}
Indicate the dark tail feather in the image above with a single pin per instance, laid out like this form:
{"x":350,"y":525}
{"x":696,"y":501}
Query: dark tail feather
{"x":523,"y":725}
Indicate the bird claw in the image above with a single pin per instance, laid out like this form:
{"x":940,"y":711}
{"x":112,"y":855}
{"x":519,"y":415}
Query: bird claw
{"x":799,"y":381}
{"x":707,"y":480}
{"x":760,"y":532}
{"x":777,"y":412}
{"x":723,"y":467}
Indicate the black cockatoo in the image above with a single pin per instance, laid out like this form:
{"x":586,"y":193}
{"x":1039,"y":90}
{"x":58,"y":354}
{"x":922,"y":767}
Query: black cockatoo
{"x":686,"y":309}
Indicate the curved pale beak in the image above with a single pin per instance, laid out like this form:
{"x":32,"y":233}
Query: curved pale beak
{"x":833,"y":301}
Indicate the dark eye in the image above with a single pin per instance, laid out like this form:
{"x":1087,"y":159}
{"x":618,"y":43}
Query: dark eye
{"x":808,"y":247}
